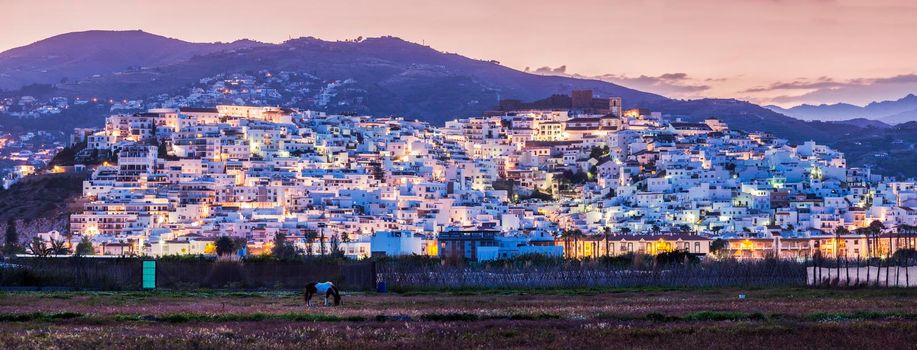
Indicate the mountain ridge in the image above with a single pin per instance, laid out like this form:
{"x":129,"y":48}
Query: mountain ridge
{"x":393,"y":77}
{"x":890,"y":111}
{"x":78,"y":55}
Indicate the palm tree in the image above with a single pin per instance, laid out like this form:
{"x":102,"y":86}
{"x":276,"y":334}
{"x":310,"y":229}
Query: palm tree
{"x":38,"y":248}
{"x":839,"y":231}
{"x":606,"y":234}
{"x":909,"y":233}
{"x":865,"y":232}
{"x":875,"y":230}
{"x":84,"y":247}
{"x":225,"y":246}
{"x":59,"y":247}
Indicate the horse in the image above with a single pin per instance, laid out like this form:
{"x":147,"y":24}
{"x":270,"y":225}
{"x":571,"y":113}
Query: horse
{"x":326,"y":288}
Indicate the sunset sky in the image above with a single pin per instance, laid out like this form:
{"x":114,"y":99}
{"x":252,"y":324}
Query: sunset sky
{"x":784,"y":52}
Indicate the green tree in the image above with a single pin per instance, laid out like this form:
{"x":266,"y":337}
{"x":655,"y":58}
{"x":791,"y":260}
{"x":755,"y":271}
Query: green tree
{"x":11,"y":245}
{"x":37,"y":247}
{"x":336,"y":250}
{"x":310,"y":240}
{"x":873,"y":232}
{"x":59,"y":247}
{"x":225,"y":246}
{"x":84,"y":247}
{"x":718,"y":245}
{"x":283,"y":249}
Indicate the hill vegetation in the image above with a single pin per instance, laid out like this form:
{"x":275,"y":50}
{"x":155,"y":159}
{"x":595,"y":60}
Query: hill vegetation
{"x":40,"y":203}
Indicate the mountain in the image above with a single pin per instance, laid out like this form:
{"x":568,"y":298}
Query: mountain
{"x":85,"y":54}
{"x":390,"y":75}
{"x":890,"y":112}
{"x":902,"y":117}
{"x":824,"y":112}
{"x":863,"y":123}
{"x":747,"y":116}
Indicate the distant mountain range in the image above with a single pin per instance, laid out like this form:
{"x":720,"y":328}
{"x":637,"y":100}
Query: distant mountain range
{"x":889,"y":112}
{"x":394,"y":77}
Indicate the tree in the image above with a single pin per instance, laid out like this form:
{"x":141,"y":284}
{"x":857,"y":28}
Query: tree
{"x":59,"y":247}
{"x":872,"y":232}
{"x":607,"y":234}
{"x":240,"y":243}
{"x":310,"y":240}
{"x":37,"y":247}
{"x":336,"y":247}
{"x":84,"y":247}
{"x":283,"y":249}
{"x":718,"y":245}
{"x":11,"y":245}
{"x":225,"y":246}
{"x":838,"y":232}
{"x":598,"y":152}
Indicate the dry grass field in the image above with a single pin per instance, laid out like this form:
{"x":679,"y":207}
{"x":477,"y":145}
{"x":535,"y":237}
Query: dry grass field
{"x":557,"y":319}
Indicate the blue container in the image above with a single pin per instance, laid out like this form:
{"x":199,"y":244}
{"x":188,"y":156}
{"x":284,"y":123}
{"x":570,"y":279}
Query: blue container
{"x":381,"y":287}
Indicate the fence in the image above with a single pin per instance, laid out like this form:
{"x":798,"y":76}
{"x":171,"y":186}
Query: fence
{"x":589,"y":274}
{"x":408,"y":274}
{"x":855,"y":273}
{"x":126,"y":274}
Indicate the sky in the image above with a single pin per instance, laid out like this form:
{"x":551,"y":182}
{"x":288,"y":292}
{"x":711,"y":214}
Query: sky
{"x":783,"y":52}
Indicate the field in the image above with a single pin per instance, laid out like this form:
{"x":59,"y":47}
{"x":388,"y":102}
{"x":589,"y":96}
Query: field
{"x":561,"y":319}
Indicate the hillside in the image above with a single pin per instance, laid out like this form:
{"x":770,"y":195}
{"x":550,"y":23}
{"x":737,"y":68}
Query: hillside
{"x":72,"y":57}
{"x":391,"y":76}
{"x":385,"y":76}
{"x":40,"y":203}
{"x":751,"y":117}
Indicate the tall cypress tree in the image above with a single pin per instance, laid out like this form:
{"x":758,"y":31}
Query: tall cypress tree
{"x":12,"y":237}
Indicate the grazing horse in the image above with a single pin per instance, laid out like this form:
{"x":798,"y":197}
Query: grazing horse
{"x":326,"y":288}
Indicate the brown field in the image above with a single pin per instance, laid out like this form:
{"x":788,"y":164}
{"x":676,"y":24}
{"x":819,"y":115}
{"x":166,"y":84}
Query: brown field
{"x":577,"y":319}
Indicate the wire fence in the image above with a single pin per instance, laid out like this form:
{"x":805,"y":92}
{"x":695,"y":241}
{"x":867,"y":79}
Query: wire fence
{"x":426,"y":274}
{"x":126,"y":273}
{"x":594,"y":274}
